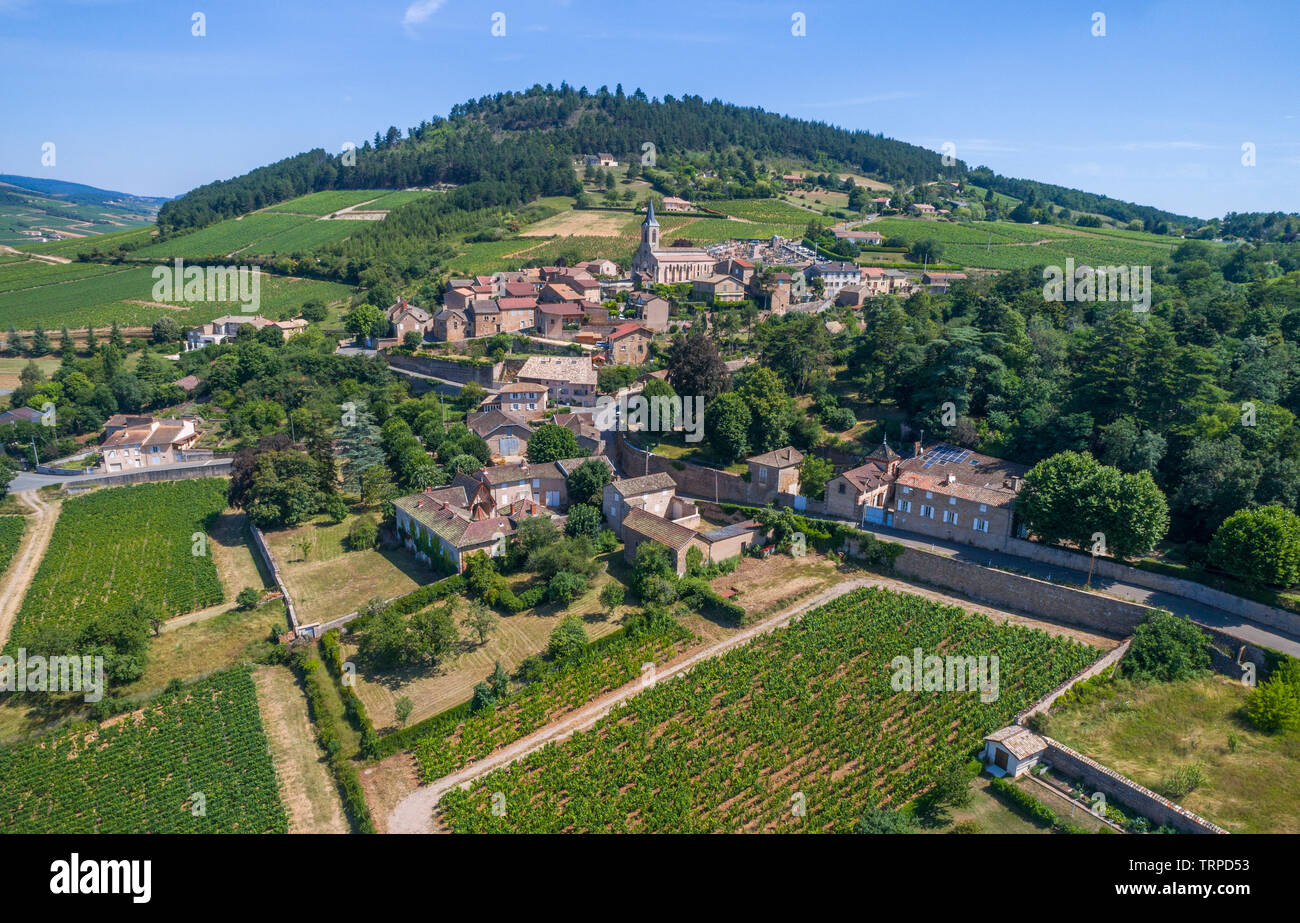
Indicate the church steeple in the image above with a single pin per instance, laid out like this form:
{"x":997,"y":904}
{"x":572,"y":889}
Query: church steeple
{"x":650,"y":227}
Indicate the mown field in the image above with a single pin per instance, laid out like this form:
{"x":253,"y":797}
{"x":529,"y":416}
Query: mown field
{"x":11,"y":534}
{"x":114,"y":546}
{"x":808,"y":709}
{"x":195,"y":761}
{"x":1146,"y":730}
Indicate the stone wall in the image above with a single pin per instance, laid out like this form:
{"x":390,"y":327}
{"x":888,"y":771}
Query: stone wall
{"x":1023,"y":594}
{"x":1176,"y":586}
{"x":445,"y":369}
{"x":691,"y":480}
{"x":259,"y":542}
{"x":218,"y":467}
{"x":1124,"y":790}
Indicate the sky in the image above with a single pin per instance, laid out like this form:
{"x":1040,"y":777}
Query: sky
{"x":1156,"y":110}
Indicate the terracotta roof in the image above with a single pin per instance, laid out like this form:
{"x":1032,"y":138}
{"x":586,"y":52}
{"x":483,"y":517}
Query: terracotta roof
{"x":571,"y":369}
{"x":623,"y":330}
{"x":484,"y":424}
{"x":778,"y":458}
{"x":1020,"y":742}
{"x":519,"y":289}
{"x":566,"y":309}
{"x":657,"y":529}
{"x":510,"y":304}
{"x":866,"y":477}
{"x":453,"y":523}
{"x":495,"y":475}
{"x":630,"y":487}
{"x":978,"y":478}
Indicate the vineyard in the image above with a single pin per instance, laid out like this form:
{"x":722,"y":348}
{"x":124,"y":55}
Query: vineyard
{"x":145,"y":773}
{"x":328,"y":202}
{"x":770,"y":211}
{"x":805,"y":715}
{"x":11,"y":533}
{"x":114,"y":546}
{"x":539,"y":703}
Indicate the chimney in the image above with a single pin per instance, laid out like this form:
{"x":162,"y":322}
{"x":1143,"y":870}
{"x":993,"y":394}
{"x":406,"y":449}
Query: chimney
{"x":952,"y":479}
{"x":916,"y":449}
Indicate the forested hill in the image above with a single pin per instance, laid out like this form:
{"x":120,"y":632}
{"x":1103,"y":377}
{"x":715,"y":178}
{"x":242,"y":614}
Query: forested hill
{"x":529,"y":139}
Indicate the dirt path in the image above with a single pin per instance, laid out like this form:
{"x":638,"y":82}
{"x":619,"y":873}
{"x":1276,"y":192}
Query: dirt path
{"x":414,"y":814}
{"x":306,"y":788}
{"x":45,"y":257}
{"x":36,"y":538}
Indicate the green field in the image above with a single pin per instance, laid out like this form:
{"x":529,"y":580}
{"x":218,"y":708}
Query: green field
{"x":11,"y":534}
{"x":223,"y":238}
{"x":115,"y":546}
{"x":103,"y":298}
{"x":304,"y":239}
{"x":73,"y":247}
{"x":27,"y":274}
{"x":764,"y":211}
{"x":328,"y":202}
{"x":196,"y":761}
{"x":806,"y":713}
{"x":398,"y":199}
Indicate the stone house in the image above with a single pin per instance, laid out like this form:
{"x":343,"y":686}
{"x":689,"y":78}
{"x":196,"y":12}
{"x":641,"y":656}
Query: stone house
{"x":505,"y":434}
{"x":776,"y":471}
{"x":629,"y":344}
{"x":450,"y":325}
{"x":571,"y":380}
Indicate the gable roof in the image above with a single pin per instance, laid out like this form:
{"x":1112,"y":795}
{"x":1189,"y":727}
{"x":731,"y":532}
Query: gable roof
{"x":484,"y":424}
{"x":646,"y":483}
{"x":573,"y":369}
{"x":785,"y":457}
{"x":657,"y":529}
{"x":975,"y":477}
{"x":623,"y":330}
{"x":1020,"y":742}
{"x":866,"y":477}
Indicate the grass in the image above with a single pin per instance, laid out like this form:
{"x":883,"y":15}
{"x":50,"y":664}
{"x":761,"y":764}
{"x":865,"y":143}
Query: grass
{"x":10,"y":369}
{"x":987,"y":812}
{"x":324,"y":585}
{"x":515,"y":638}
{"x":1146,"y":731}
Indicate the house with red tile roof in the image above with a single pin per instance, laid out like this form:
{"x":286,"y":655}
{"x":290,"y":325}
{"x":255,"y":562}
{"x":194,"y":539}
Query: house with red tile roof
{"x":629,"y":344}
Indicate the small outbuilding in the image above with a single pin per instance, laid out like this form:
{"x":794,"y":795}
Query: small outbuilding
{"x":1012,"y":751}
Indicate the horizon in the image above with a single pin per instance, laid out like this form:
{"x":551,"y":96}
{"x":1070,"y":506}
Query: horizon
{"x":344,"y":74}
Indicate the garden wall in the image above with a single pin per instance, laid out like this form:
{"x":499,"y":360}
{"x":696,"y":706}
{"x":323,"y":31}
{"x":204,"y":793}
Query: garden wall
{"x":1176,"y":586}
{"x":1124,"y":790}
{"x":1024,"y":594}
{"x":259,"y":541}
{"x":445,"y":369}
{"x":691,"y":480}
{"x":218,"y":467}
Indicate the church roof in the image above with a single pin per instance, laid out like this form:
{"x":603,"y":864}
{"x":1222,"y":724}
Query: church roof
{"x":650,"y":215}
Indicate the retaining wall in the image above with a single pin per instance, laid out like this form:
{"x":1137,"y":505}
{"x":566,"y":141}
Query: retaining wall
{"x":692,"y":480}
{"x":1124,"y":790}
{"x":259,"y":541}
{"x":445,"y":369}
{"x":219,"y":467}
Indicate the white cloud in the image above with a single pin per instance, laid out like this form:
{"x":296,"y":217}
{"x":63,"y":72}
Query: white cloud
{"x":420,"y":11}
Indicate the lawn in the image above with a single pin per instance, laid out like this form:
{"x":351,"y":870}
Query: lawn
{"x":987,"y":812}
{"x":806,"y":710}
{"x":331,"y":581}
{"x":515,"y":638}
{"x":10,"y":369}
{"x":1145,"y":731}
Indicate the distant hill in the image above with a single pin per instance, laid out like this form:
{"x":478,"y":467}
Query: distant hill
{"x":528,"y":141}
{"x":32,"y":209}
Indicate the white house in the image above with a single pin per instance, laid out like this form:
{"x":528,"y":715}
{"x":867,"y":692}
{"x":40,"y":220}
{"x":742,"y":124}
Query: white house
{"x":1012,"y":751}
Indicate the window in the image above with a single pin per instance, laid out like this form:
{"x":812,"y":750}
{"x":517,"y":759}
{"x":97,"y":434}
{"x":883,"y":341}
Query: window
{"x":762,"y":474}
{"x":950,"y":516}
{"x":537,"y":483}
{"x":980,"y":525}
{"x":907,"y":490}
{"x":841,"y":487}
{"x":553,"y":498}
{"x":952,"y":501}
{"x":929,"y":494}
{"x":927,"y":512}
{"x":905,"y":506}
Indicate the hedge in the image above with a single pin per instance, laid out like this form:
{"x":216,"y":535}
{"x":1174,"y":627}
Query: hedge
{"x":1032,"y":808}
{"x":345,"y":773}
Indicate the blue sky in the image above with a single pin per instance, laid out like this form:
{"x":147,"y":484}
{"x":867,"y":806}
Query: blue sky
{"x":1156,"y":111}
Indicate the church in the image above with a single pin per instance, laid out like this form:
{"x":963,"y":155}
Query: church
{"x":669,"y":265}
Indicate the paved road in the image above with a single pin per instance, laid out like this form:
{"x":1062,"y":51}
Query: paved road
{"x":1229,"y":623}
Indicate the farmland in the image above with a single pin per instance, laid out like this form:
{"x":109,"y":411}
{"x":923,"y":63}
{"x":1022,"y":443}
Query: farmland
{"x":325,"y":203}
{"x":194,"y":761}
{"x":125,"y":295}
{"x":11,"y":534}
{"x":764,"y":211}
{"x":115,"y":546}
{"x":224,"y":238}
{"x":389,"y":201}
{"x":808,"y":709}
{"x":33,"y":273}
{"x":74,"y":247}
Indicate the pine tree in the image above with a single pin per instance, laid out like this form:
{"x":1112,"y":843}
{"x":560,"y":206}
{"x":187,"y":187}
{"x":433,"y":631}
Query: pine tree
{"x":40,"y":341}
{"x":90,"y":339}
{"x":66,"y":346}
{"x":115,"y":337}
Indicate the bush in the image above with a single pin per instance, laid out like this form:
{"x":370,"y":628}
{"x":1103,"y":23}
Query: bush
{"x":1275,"y":705}
{"x":884,"y":820}
{"x":568,"y":639}
{"x":1182,"y":781}
{"x":1165,"y":648}
{"x":1261,"y":545}
{"x":565,"y":587}
{"x":362,"y":534}
{"x":248,"y":598}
